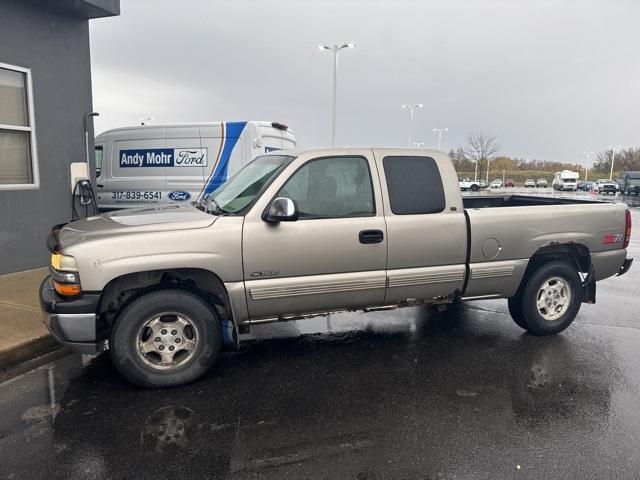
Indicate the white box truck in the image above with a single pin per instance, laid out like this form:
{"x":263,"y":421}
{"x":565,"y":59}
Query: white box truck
{"x":178,"y":163}
{"x":566,"y":180}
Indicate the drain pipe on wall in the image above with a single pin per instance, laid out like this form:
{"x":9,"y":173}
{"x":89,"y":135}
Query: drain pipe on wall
{"x":86,"y":135}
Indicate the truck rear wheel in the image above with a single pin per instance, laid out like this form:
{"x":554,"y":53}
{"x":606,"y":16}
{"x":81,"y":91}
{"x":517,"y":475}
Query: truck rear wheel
{"x":165,"y":338}
{"x":549,"y":300}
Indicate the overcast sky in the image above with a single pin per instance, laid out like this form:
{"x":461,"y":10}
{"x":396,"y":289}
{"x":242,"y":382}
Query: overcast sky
{"x":550,"y":78}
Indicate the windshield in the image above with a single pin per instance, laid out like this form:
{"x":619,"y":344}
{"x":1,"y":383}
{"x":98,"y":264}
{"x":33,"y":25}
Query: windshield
{"x":247,"y":184}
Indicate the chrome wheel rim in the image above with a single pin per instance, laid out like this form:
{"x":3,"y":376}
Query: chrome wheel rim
{"x":167,"y":341}
{"x":554,"y":298}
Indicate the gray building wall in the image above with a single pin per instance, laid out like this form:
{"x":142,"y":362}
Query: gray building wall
{"x":54,"y":43}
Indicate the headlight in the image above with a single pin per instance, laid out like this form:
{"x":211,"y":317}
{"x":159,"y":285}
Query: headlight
{"x":64,"y":263}
{"x":64,"y":271}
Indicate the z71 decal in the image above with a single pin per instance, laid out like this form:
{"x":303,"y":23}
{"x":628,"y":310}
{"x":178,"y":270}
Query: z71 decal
{"x":612,"y":238}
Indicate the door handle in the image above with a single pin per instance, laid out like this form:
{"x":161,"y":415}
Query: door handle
{"x":100,"y":185}
{"x":371,"y":236}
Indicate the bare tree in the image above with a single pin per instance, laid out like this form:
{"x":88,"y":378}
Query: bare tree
{"x":481,"y":148}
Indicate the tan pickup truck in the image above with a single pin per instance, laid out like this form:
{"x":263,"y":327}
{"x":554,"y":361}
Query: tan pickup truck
{"x":298,"y":233}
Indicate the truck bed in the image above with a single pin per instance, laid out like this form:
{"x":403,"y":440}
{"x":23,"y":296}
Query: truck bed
{"x":502,"y":240}
{"x":492,"y":201}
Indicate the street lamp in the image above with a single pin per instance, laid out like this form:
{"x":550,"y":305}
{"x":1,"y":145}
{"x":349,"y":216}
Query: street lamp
{"x":488,"y":164}
{"x":335,"y":49}
{"x":418,"y":144}
{"x":412,"y":109}
{"x":475,"y":176}
{"x":586,"y":164}
{"x":613,"y":149}
{"x":440,"y":131}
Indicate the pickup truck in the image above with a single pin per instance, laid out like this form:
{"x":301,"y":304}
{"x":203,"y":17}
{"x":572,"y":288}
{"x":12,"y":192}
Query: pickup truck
{"x":466,"y":184}
{"x":306,"y":232}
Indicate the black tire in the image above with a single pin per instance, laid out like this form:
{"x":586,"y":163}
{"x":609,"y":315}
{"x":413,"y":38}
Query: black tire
{"x":524,"y":309}
{"x":205,"y":328}
{"x":474,"y":188}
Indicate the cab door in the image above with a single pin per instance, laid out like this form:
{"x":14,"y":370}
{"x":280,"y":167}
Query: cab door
{"x":334,"y":256}
{"x":426,"y":226}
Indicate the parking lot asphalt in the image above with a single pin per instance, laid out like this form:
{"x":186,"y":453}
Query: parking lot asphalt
{"x":409,"y":393}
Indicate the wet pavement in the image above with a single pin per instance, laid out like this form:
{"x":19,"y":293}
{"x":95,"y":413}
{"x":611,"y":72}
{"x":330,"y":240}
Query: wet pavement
{"x":410,"y":393}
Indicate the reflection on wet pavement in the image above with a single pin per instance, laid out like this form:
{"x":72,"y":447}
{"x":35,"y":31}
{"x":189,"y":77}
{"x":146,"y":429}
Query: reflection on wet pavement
{"x":409,"y":393}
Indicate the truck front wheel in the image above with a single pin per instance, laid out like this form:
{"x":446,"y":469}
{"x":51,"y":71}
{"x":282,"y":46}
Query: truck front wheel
{"x":549,"y":300}
{"x":165,"y":338}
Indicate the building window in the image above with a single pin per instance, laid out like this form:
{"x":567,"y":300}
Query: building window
{"x":18,"y":161}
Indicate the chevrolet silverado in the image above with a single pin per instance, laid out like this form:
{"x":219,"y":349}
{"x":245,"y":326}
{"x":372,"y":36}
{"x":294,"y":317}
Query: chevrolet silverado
{"x":300,"y":233}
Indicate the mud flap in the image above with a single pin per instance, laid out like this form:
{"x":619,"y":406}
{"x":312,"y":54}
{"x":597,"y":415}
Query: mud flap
{"x":229,"y":336}
{"x":589,"y":287}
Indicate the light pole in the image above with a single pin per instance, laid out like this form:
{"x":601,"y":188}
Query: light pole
{"x":613,"y":157}
{"x":475,"y":176}
{"x":418,"y":144}
{"x":440,"y":131}
{"x":586,"y":164}
{"x":335,"y":49}
{"x":412,"y":109}
{"x":488,"y":171}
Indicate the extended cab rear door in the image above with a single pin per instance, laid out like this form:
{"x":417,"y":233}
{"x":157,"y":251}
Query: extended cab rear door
{"x":426,"y":227}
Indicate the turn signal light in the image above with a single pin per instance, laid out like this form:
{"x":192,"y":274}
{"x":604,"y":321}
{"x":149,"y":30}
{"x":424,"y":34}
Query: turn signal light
{"x":627,"y":229}
{"x":67,"y":289}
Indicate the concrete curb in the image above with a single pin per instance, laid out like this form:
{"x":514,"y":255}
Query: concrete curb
{"x":27,"y":350}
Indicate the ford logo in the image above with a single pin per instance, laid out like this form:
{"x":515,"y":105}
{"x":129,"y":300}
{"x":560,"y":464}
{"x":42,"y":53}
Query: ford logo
{"x":179,"y":196}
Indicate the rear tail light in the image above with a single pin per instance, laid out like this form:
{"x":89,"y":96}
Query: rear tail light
{"x":627,"y":228}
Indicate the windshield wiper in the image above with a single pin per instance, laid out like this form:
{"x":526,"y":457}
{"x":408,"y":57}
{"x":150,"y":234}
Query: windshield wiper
{"x":219,"y":210}
{"x":204,"y":206}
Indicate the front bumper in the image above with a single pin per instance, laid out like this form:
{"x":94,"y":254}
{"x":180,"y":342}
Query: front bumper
{"x":72,"y":321}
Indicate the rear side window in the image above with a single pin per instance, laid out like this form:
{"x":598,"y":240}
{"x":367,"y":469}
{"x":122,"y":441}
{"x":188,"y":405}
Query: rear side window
{"x":414,"y":185}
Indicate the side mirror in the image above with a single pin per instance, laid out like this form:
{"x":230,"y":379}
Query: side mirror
{"x":282,"y":209}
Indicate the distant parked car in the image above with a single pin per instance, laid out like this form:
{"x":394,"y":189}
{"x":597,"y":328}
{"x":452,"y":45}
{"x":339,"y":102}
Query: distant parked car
{"x":630,"y":183}
{"x":483,"y":184}
{"x":541,"y":183}
{"x":529,"y":183}
{"x":509,"y":183}
{"x":587,"y":186}
{"x":466,"y":184}
{"x":497,"y":183}
{"x":605,"y":185}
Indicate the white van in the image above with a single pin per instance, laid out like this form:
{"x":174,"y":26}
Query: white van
{"x":566,"y":180}
{"x":162,"y":164}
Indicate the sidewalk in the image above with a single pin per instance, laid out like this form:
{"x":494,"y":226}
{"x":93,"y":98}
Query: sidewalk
{"x":23,"y":334}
